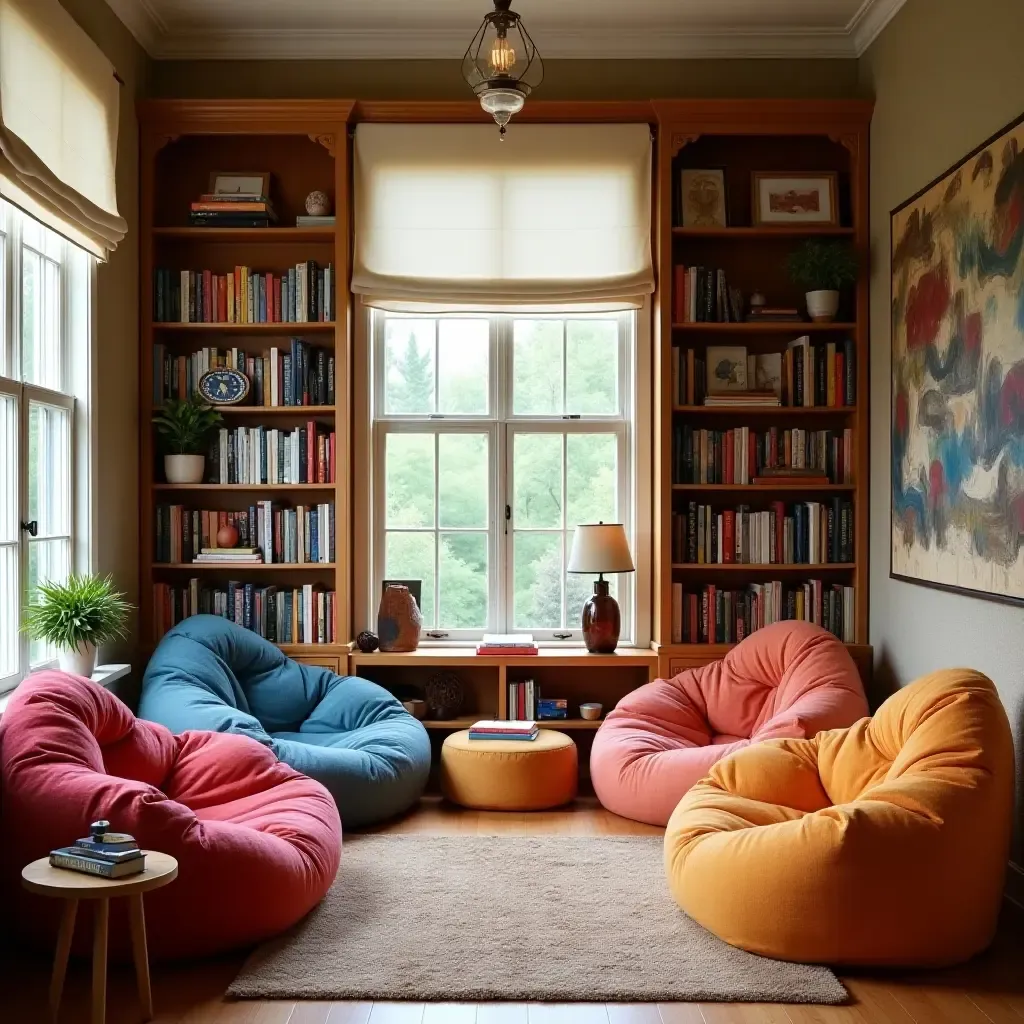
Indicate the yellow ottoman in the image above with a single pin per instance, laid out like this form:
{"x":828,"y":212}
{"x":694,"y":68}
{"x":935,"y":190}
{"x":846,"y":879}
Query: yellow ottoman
{"x":509,"y":775}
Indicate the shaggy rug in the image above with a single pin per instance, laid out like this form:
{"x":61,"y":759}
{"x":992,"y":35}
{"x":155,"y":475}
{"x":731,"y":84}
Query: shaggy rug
{"x":513,"y":918}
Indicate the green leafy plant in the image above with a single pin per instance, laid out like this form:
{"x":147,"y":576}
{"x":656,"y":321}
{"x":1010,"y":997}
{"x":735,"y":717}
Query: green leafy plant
{"x":85,"y":609}
{"x":823,"y":266}
{"x":186,"y":424}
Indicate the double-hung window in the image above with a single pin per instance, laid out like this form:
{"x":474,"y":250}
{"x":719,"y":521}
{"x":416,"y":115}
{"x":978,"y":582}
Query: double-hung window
{"x":45,"y":314}
{"x":493,"y":437}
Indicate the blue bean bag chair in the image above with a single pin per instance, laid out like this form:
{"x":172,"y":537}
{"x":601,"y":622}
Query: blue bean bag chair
{"x":349,"y":734}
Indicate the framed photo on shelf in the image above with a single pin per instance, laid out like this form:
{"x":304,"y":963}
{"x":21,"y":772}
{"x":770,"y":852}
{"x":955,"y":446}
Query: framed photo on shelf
{"x":781,"y":198}
{"x":702,"y":198}
{"x":727,"y":369}
{"x":240,"y":183}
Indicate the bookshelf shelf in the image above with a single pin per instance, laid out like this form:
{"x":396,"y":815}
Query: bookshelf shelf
{"x":766,"y":410}
{"x":246,"y":566}
{"x":775,"y":327}
{"x":277,"y":410}
{"x":777,"y":231}
{"x":250,"y":236}
{"x":758,"y":568}
{"x":283,"y":327}
{"x":277,"y":488}
{"x":766,"y":490}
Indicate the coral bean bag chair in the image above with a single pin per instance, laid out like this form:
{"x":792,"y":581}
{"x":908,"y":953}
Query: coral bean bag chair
{"x":882,"y":844}
{"x":788,"y":679}
{"x":345,"y":732}
{"x":257,"y":843}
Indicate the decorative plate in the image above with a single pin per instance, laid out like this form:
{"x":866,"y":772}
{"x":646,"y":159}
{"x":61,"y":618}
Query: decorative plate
{"x":224,"y":387}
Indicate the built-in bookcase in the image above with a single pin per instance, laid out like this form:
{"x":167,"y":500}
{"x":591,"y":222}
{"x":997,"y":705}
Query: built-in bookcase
{"x":758,"y":550}
{"x":305,"y":147}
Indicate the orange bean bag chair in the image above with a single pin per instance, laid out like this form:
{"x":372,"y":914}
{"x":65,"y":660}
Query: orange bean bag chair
{"x":788,"y":679}
{"x":882,"y":844}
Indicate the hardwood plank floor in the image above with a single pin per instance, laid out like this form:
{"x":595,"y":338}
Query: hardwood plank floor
{"x":989,"y":990}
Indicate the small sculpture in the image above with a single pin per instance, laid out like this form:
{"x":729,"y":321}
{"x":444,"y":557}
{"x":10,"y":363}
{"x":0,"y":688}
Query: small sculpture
{"x":318,"y":204}
{"x":227,"y":536}
{"x":367,"y":642}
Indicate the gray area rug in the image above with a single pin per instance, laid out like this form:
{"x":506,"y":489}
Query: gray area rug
{"x":477,"y":918}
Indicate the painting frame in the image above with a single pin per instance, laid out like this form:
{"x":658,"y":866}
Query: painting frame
{"x":220,"y":183}
{"x":945,"y":178}
{"x":822,"y":181}
{"x":720,"y":216}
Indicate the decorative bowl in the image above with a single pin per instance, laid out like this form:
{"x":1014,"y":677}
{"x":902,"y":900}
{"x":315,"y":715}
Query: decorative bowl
{"x":591,"y":711}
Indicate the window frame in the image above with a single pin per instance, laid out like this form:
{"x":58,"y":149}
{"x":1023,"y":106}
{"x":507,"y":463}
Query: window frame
{"x":501,"y":424}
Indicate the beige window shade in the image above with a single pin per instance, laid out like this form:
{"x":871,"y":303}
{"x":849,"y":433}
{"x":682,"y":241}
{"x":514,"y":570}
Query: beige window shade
{"x":557,"y":215}
{"x":58,"y":124}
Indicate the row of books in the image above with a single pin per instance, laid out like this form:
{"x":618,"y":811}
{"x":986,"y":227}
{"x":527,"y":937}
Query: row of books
{"x":299,"y":375}
{"x":267,"y":455}
{"x":303,"y":615}
{"x":744,"y":455}
{"x":302,"y":294}
{"x":522,"y":700}
{"x":299,"y":535}
{"x":712,"y":615}
{"x":703,"y":295}
{"x":804,"y":533}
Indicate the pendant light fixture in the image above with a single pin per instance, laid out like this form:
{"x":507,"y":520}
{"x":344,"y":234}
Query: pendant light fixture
{"x":502,"y":65}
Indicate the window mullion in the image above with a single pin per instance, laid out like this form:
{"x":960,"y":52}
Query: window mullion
{"x":437,"y":521}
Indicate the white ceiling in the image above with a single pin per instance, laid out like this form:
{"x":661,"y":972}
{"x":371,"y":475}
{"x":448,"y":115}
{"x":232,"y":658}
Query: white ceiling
{"x":375,"y":29}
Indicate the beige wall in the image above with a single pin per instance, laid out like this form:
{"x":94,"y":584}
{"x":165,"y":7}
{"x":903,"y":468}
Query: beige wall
{"x":117,"y":363}
{"x":947,"y":75}
{"x":563,"y":79}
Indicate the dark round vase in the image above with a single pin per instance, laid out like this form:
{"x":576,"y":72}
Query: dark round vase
{"x":601,"y":620}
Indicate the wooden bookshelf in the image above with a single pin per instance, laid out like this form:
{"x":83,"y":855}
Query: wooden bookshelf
{"x":743,"y":137}
{"x":305,"y":146}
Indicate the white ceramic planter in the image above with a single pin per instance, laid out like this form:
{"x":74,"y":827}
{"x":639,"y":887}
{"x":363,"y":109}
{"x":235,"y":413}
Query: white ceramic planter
{"x":184,"y":469}
{"x":79,"y":662}
{"x":822,"y":306}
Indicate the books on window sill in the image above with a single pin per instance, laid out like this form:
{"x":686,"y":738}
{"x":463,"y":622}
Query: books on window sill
{"x":507,"y":644}
{"x":293,"y":376}
{"x":503,"y":730}
{"x":713,"y":615}
{"x":264,"y":455}
{"x":302,"y":294}
{"x":803,"y":533}
{"x":300,"y":615}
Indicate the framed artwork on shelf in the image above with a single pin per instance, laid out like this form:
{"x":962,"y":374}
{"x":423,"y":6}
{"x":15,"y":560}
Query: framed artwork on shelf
{"x":245,"y":183}
{"x":727,"y":369}
{"x":702,"y":198}
{"x":785,"y":199}
{"x":957,"y":373}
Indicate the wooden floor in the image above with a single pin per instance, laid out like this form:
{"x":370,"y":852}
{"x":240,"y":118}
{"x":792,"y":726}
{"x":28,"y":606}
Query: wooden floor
{"x":990,"y":990}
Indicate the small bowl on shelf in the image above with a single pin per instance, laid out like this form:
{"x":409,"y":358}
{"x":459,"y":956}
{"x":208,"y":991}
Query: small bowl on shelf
{"x":591,"y":711}
{"x":416,"y":707}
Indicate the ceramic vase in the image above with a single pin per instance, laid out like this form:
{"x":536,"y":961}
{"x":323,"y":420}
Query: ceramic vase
{"x":601,"y":620}
{"x":822,"y":306}
{"x":398,"y":620}
{"x":184,"y":469}
{"x":78,"y":662}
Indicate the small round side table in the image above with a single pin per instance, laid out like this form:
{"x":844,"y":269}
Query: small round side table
{"x":71,"y":886}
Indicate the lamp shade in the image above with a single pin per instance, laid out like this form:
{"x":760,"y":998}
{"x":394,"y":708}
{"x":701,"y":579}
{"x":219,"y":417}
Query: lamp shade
{"x":600,"y":547}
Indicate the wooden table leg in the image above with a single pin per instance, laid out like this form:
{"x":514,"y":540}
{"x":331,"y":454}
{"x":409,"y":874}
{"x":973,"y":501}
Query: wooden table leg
{"x":99,"y":962}
{"x":140,"y":954}
{"x":60,"y":957}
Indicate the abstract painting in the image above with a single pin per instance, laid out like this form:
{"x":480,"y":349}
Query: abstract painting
{"x":957,"y":469}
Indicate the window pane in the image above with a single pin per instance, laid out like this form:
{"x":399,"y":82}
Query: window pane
{"x":409,"y":461}
{"x":9,"y":639}
{"x":537,"y":581}
{"x":40,"y":320}
{"x":537,"y":471}
{"x":537,"y":367}
{"x":49,"y":469}
{"x":592,"y":367}
{"x":48,"y":561}
{"x":579,"y":588}
{"x":408,"y":366}
{"x":462,"y":581}
{"x":8,"y":469}
{"x":463,"y":362}
{"x":410,"y":556}
{"x":591,"y":478}
{"x":462,"y":480}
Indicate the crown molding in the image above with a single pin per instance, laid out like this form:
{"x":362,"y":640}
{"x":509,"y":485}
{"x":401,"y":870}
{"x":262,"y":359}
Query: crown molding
{"x":867,"y":24}
{"x":142,"y":21}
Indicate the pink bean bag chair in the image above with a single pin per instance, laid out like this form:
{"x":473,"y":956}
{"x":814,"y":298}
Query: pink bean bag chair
{"x":790,"y":680}
{"x":257,"y":843}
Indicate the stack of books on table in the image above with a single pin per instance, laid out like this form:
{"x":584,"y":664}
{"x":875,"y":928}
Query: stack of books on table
{"x":742,"y":400}
{"x":774,"y":315}
{"x":232,"y":210}
{"x":498,"y":730}
{"x":229,"y":556}
{"x":107,"y":854}
{"x":507,"y":644}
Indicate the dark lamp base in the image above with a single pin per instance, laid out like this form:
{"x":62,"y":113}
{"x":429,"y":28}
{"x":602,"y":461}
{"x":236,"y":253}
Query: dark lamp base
{"x":601,"y":621}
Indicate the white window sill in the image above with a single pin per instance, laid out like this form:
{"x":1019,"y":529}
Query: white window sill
{"x":104,"y":675}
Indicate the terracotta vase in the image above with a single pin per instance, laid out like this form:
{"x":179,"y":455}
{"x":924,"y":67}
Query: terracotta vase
{"x":398,"y":620}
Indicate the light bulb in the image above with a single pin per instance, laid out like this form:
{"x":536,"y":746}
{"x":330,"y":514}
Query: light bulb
{"x":503,"y":56}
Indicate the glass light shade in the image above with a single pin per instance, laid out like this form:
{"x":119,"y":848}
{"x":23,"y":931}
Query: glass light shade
{"x":600,"y":547}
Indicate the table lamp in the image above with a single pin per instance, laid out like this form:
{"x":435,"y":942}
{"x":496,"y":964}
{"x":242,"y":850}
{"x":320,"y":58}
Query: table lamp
{"x":600,"y":548}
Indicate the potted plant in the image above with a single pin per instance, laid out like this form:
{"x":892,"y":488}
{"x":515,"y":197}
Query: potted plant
{"x":823,"y":269}
{"x":77,"y":617}
{"x":186,"y":425}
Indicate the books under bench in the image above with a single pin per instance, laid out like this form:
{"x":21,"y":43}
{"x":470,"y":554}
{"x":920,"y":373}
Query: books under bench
{"x":804,"y":533}
{"x":720,"y":616}
{"x":745,"y":455}
{"x":266,"y":455}
{"x":302,"y":294}
{"x":296,"y":376}
{"x":300,"y":615}
{"x":267,"y":532}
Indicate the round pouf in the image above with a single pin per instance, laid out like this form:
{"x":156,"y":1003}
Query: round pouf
{"x":509,"y":775}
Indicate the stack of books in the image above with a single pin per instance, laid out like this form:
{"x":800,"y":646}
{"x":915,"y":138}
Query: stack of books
{"x":232,"y":210}
{"x":742,"y":399}
{"x":307,"y":220}
{"x":497,"y":730}
{"x":229,"y":556}
{"x":774,"y":315}
{"x":507,"y":644}
{"x":107,"y":854}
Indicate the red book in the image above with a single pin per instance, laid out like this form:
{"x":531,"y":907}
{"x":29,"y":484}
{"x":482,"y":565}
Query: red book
{"x":728,"y":536}
{"x":310,"y":451}
{"x":277,"y":300}
{"x":506,"y":652}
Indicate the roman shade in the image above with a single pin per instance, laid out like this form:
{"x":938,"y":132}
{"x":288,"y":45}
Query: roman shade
{"x":58,"y":124}
{"x":448,"y":216}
